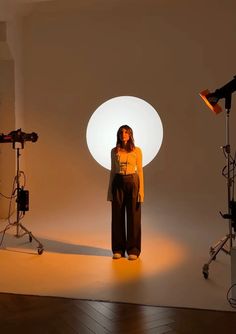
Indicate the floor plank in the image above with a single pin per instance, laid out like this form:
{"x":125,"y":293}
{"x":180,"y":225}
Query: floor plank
{"x":46,"y":315}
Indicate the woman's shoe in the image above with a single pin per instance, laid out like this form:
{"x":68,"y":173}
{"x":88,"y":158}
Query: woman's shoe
{"x":116,"y":256}
{"x":132,"y":257}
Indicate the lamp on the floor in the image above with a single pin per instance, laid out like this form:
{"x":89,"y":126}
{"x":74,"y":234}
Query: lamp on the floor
{"x":18,"y":192}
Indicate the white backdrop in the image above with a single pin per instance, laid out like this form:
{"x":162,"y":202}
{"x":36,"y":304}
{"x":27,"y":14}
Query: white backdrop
{"x":77,"y":56}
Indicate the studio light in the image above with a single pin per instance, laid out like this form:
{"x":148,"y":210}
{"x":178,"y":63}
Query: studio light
{"x":18,"y":192}
{"x":18,"y":136}
{"x":211,"y":99}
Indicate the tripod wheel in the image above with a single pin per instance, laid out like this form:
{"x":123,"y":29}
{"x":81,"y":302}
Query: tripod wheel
{"x":205,"y":271}
{"x":40,"y":251}
{"x":205,"y":275}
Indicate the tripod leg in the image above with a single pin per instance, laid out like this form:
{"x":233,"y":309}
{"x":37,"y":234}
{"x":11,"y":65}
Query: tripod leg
{"x":214,"y":251}
{"x":32,"y":237}
{"x":3,"y":232}
{"x":219,"y":246}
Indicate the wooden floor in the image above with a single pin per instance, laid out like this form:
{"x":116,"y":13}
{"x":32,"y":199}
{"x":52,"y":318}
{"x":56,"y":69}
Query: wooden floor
{"x":33,"y":314}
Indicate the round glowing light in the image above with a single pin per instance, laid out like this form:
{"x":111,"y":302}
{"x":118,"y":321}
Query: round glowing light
{"x":135,"y":112}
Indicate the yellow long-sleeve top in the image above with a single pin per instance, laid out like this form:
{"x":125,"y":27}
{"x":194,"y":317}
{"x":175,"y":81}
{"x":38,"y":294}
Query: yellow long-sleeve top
{"x":123,"y":162}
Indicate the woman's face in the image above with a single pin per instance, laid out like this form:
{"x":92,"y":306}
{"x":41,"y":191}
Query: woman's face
{"x":124,"y":135}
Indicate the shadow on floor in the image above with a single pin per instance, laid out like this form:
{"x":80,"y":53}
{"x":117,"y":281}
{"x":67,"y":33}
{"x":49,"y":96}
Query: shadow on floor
{"x":12,"y":243}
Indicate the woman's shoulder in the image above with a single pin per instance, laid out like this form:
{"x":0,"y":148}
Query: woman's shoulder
{"x":138,"y":149}
{"x":114,"y":150}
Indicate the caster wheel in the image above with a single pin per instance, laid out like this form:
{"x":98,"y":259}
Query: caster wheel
{"x":205,"y":274}
{"x":30,"y":238}
{"x":40,"y":251}
{"x":205,"y":271}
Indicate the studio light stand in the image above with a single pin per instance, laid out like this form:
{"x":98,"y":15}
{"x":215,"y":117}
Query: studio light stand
{"x":22,"y":195}
{"x":226,"y":243}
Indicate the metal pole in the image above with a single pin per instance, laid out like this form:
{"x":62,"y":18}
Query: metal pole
{"x":228,"y":98}
{"x":17,"y":191}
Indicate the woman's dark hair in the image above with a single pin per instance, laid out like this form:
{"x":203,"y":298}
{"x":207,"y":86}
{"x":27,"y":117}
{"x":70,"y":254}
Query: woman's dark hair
{"x":130,"y":143}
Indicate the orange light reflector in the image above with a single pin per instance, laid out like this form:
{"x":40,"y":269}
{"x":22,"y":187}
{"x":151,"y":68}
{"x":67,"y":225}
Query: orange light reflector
{"x":216,"y":107}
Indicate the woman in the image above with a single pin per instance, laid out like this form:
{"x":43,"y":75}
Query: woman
{"x":126,"y":192}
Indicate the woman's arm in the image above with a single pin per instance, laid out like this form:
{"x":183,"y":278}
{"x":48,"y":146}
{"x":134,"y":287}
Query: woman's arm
{"x":140,"y":174}
{"x":112,"y":175}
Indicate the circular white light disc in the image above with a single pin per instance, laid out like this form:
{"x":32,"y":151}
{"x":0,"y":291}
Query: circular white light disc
{"x":132,"y":111}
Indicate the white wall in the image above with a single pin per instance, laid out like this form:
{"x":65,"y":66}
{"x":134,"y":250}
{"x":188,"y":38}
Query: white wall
{"x":79,"y":54}
{"x":11,"y":90}
{"x":7,"y":118}
{"x":11,"y":13}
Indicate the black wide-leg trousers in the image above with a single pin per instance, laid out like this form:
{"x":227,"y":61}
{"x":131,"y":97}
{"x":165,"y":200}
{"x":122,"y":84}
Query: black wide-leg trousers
{"x":126,"y":215}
